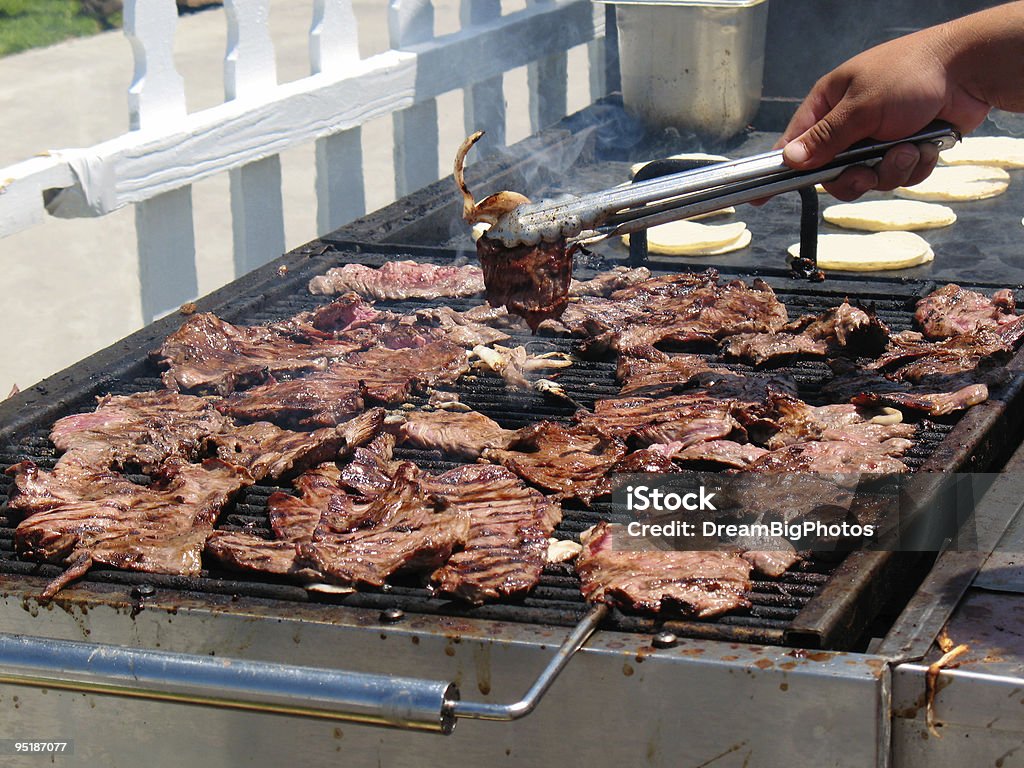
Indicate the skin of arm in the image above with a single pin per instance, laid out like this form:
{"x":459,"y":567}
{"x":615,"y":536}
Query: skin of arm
{"x":955,"y":71}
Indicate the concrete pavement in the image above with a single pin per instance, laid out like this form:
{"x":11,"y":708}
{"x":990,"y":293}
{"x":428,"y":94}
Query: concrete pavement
{"x":71,"y":286}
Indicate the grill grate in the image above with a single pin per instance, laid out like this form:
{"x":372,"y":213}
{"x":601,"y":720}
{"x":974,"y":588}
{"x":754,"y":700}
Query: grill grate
{"x":556,"y":600}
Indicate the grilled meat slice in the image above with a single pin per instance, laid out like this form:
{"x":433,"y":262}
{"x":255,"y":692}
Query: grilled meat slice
{"x":702,"y":584}
{"x":509,"y":526}
{"x":458,"y":328}
{"x":339,"y":393}
{"x":246,"y":552}
{"x":531,"y":281}
{"x":210,"y":355}
{"x":269,"y":451}
{"x":931,"y":403}
{"x":568,"y":461}
{"x":799,"y":422}
{"x":295,"y":518}
{"x":772,"y":562}
{"x":683,"y":419}
{"x":85,"y":516}
{"x":727,"y":453}
{"x":910,"y":358}
{"x":141,"y":429}
{"x":606,"y":283}
{"x":846,"y":329}
{"x":834,"y":457}
{"x":465,"y":435}
{"x":410,"y":529}
{"x":952,"y":310}
{"x":395,"y":280}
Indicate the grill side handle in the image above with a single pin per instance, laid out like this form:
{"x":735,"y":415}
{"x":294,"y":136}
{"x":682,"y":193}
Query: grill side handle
{"x":401,"y":702}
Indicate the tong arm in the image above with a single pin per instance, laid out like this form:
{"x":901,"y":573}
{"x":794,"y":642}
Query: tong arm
{"x":636,"y":206}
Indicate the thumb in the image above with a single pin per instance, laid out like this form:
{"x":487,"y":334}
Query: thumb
{"x":829,"y":136}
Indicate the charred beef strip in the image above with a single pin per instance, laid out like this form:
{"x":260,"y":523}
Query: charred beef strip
{"x":458,"y":328}
{"x":727,"y":453}
{"x":141,"y":429}
{"x":81,"y":515}
{"x":339,"y":393}
{"x":568,"y":461}
{"x":396,"y":280}
{"x":952,"y":310}
{"x":845,"y":329}
{"x":509,"y":527}
{"x":799,"y":422}
{"x":466,"y":435}
{"x":682,"y":419}
{"x":834,"y":457}
{"x":699,"y":583}
{"x":913,"y":359}
{"x":606,"y":283}
{"x":531,"y":281}
{"x":210,"y":355}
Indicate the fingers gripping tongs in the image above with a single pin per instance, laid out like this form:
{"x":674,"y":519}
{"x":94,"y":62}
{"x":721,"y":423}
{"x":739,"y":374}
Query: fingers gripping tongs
{"x":621,"y":210}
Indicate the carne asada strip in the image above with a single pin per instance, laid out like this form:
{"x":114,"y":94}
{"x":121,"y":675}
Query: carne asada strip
{"x":509,"y":527}
{"x":398,"y":280}
{"x":569,"y":461}
{"x":952,"y":310}
{"x":700,"y":583}
{"x":95,"y":516}
{"x":142,"y":429}
{"x":465,"y":435}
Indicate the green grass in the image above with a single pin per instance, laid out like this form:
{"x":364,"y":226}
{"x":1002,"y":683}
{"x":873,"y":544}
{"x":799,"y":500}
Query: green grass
{"x":28,"y":24}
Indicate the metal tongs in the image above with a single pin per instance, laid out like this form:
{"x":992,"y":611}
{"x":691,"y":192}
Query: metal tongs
{"x":630,"y":208}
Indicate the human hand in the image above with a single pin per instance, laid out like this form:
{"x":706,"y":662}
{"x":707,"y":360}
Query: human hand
{"x":885,"y":93}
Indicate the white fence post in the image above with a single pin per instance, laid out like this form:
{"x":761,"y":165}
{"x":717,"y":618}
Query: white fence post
{"x":485,"y":101}
{"x":547,"y":80}
{"x":416,"y":131}
{"x":156,"y":98}
{"x":333,"y":47}
{"x":257,"y":210}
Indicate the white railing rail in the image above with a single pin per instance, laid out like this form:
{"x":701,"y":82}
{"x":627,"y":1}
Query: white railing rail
{"x":154,"y":165}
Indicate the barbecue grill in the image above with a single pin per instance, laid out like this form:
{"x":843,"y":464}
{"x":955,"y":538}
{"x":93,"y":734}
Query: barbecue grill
{"x":801,"y":662}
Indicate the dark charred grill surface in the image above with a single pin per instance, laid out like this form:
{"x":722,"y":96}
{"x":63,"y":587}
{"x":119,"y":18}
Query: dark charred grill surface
{"x":777,"y":604}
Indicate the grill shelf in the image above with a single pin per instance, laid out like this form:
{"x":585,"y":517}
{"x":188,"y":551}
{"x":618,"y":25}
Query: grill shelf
{"x":785,"y":610}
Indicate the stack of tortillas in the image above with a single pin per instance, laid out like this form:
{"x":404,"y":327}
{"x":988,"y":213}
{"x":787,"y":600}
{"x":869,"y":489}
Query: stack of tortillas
{"x":959,"y":183}
{"x":996,"y":151}
{"x":691,"y":238}
{"x":867,"y":253}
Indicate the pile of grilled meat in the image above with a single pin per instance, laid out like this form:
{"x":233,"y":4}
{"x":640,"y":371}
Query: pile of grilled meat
{"x":318,"y":402}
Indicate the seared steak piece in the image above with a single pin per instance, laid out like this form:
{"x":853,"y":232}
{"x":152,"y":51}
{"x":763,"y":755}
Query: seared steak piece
{"x":210,"y":355}
{"x":410,"y":529}
{"x":82,"y":515}
{"x":727,"y":453}
{"x":458,"y":328}
{"x":269,"y":451}
{"x":339,"y":393}
{"x":465,"y":435}
{"x":509,"y":526}
{"x":142,"y":429}
{"x":834,"y":457}
{"x":295,"y":518}
{"x":799,"y":422}
{"x":952,"y":310}
{"x":772,"y":562}
{"x":845,"y":329}
{"x":529,"y":281}
{"x":246,"y":552}
{"x":931,"y":403}
{"x":606,"y":283}
{"x":568,"y":461}
{"x":910,"y":358}
{"x":395,"y":280}
{"x":683,"y":419}
{"x":702,"y":584}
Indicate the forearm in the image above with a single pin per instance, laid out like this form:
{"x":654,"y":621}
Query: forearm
{"x":984,"y":53}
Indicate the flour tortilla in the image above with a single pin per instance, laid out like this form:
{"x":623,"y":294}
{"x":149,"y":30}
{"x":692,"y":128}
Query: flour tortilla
{"x":633,"y":169}
{"x":889,"y":215}
{"x":995,"y":151}
{"x":959,"y":183}
{"x":870,"y":253}
{"x":688,"y":238}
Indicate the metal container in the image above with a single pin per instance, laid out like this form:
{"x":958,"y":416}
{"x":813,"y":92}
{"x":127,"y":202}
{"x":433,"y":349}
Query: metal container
{"x":696,"y":65}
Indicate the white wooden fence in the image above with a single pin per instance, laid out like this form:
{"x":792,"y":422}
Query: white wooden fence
{"x":154,"y":165}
